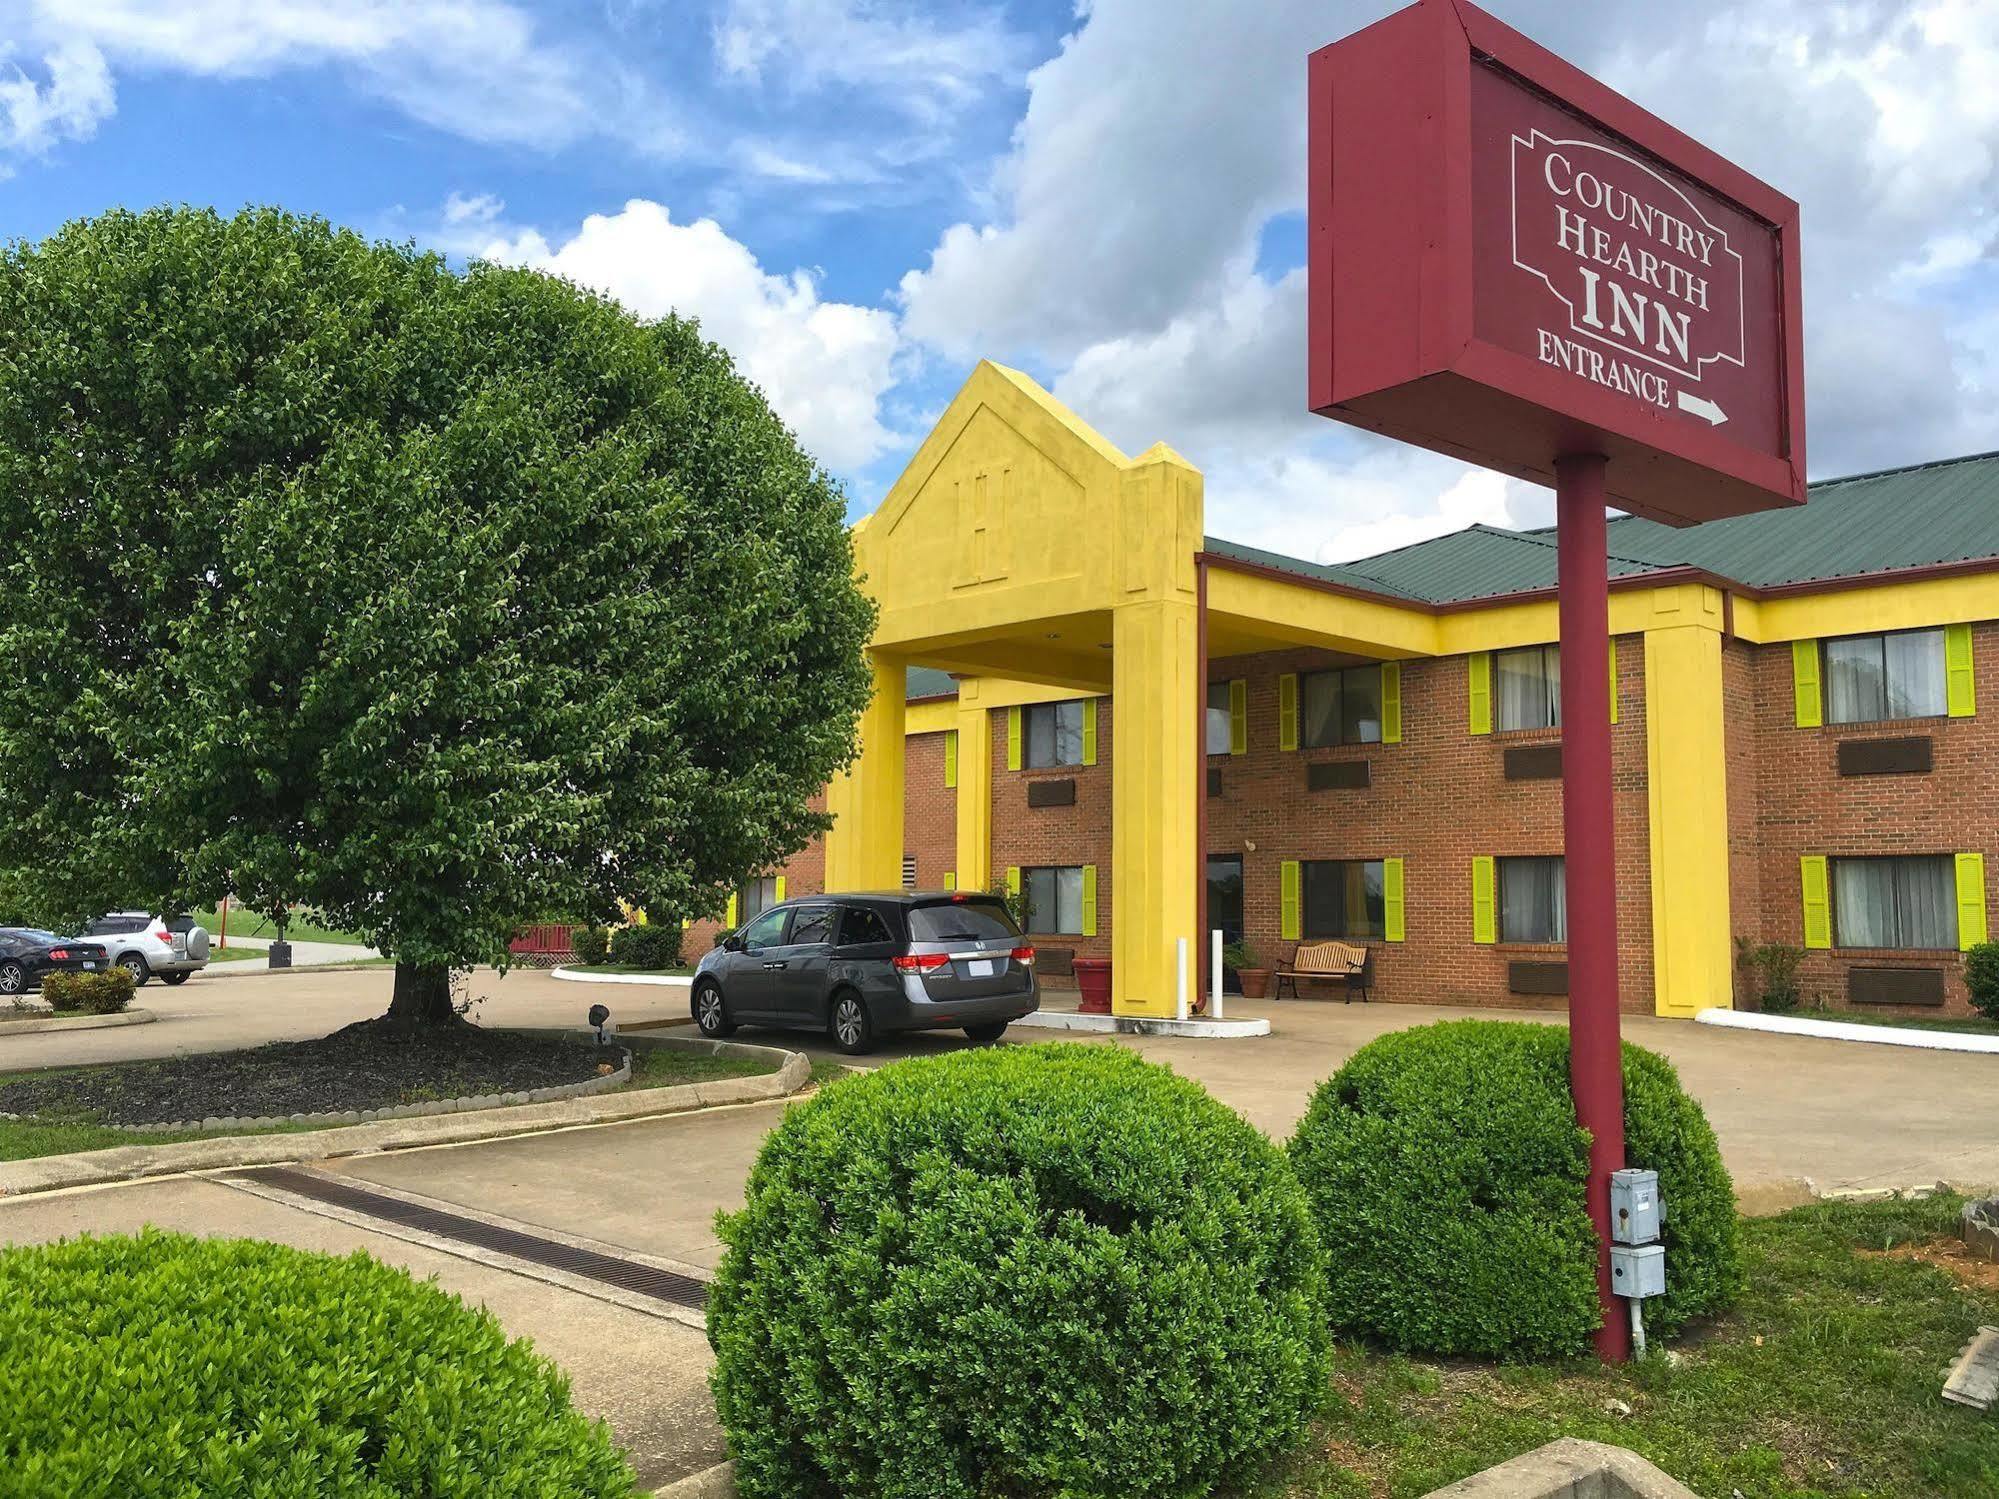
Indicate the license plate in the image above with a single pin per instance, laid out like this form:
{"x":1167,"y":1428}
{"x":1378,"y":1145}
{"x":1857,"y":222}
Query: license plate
{"x":87,"y":967}
{"x":979,"y":968}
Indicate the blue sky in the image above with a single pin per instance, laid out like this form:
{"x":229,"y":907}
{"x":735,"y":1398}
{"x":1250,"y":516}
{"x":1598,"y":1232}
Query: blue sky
{"x":861,"y":197}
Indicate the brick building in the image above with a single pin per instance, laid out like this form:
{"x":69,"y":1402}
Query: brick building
{"x":1155,"y":733}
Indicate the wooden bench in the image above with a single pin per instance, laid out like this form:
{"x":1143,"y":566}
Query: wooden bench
{"x":1346,"y":961}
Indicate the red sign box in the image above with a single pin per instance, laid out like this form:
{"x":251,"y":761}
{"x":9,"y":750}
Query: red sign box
{"x":1511,"y":262}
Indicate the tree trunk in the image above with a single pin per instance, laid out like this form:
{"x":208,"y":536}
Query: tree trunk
{"x":422,"y":999}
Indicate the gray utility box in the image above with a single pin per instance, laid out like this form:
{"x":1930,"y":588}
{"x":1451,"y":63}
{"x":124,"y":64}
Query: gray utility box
{"x":1635,"y":1212}
{"x":1638,"y":1270}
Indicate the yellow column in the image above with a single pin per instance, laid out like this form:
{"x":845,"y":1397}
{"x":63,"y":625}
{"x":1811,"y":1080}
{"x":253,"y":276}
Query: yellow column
{"x":974,"y":858}
{"x":1687,"y":776}
{"x":1154,"y":776}
{"x":864,"y":845}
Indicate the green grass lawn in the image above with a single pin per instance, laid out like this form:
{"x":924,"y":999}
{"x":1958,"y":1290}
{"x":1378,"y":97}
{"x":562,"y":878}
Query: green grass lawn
{"x":1823,"y":1382}
{"x":21,"y":1139}
{"x":1969,"y":1025}
{"x":302,"y":928}
{"x":234,"y":954}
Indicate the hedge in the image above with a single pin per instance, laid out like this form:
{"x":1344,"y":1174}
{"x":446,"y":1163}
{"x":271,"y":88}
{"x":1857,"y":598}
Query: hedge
{"x":654,"y":944}
{"x":1024,"y":1270}
{"x":104,"y":993}
{"x":166,"y":1365}
{"x":1446,"y":1168}
{"x":591,"y":944}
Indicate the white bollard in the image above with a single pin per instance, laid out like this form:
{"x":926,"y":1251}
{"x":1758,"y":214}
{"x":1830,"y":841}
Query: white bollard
{"x":1180,"y":1008}
{"x":1215,"y":973}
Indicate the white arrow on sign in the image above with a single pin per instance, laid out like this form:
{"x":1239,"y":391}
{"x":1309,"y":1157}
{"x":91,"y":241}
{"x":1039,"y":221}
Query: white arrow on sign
{"x":1700,"y":406}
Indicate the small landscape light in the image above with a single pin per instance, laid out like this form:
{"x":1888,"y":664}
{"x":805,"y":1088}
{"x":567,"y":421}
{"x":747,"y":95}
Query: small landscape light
{"x":600,"y":1020}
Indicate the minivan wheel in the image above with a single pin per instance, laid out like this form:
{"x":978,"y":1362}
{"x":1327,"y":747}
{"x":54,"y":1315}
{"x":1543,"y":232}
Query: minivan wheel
{"x":135,"y":965}
{"x":13,"y":978}
{"x":853,"y":1029}
{"x":709,"y":1013}
{"x":988,"y":1033}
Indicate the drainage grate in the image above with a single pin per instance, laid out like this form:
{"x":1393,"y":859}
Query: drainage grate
{"x":627,"y":1275}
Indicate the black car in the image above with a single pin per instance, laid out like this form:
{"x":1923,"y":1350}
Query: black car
{"x":862,"y":966}
{"x":26,"y":954}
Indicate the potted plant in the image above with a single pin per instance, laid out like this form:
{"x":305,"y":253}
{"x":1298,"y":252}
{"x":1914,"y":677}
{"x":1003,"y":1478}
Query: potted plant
{"x":1240,"y":956}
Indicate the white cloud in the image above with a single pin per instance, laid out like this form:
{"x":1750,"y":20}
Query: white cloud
{"x":76,"y":97}
{"x":825,"y":366}
{"x":461,"y":210}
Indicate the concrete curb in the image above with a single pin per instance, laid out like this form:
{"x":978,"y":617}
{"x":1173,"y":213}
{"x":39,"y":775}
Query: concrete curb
{"x":75,"y":1022}
{"x":234,"y":970}
{"x":581,"y":976}
{"x":718,"y":1482}
{"x":1840,"y":1030}
{"x":131,"y":1162}
{"x":1136,"y":1025}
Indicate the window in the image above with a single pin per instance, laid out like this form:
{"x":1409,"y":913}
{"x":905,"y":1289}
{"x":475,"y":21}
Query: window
{"x":858,"y":924}
{"x":1219,"y":718}
{"x":1895,"y":902}
{"x":1871,"y":677}
{"x":1054,"y":899}
{"x":1054,"y":734}
{"x":1530,"y":688}
{"x":1533,"y":907}
{"x":766,"y":931}
{"x":977,"y":919}
{"x":811,"y":924}
{"x":758,"y":896}
{"x":909,"y":871}
{"x":1343,"y":899}
{"x":1341,"y":707}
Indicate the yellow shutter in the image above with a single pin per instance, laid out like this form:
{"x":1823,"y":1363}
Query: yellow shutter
{"x":1013,"y":880}
{"x":950,"y":759}
{"x":777,"y":888}
{"x":1480,"y":711}
{"x":1817,"y":901}
{"x":1391,"y":702}
{"x":1392,"y":903}
{"x":1089,"y":900}
{"x":1089,"y":731}
{"x":1970,"y":901}
{"x":1287,"y":900}
{"x":1287,"y":711}
{"x":731,"y":918}
{"x":1613,"y":679}
{"x":1238,"y":717}
{"x":1484,"y":899}
{"x":1805,"y":686}
{"x":950,"y":879}
{"x":1013,"y":738}
{"x":1959,"y":687}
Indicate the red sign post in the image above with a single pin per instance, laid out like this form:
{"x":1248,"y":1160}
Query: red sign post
{"x":1515,"y":265}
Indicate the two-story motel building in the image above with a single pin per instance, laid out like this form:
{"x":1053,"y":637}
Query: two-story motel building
{"x":1079,"y":694}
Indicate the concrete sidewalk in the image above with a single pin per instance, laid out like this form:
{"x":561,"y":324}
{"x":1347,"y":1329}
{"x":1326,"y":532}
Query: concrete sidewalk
{"x":305,"y":954}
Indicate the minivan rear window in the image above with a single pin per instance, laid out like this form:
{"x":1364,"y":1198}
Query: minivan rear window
{"x":961,"y":921}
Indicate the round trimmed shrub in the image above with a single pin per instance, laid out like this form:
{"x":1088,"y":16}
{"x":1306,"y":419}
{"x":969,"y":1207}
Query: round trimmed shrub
{"x":1446,"y":1168}
{"x":1022,"y":1270}
{"x":591,"y":944}
{"x":1981,"y":978}
{"x":166,"y":1365}
{"x":650,"y":944}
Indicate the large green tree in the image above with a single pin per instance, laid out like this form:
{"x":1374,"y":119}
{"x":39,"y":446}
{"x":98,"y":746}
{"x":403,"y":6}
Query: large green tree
{"x":440,"y":602}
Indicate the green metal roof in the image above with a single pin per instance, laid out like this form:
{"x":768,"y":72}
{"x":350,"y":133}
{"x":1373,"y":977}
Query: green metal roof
{"x":925,"y":681}
{"x":1869,"y":523}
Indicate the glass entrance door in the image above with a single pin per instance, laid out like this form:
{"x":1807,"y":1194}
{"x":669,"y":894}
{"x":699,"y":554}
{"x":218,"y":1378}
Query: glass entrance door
{"x":1225,"y":895}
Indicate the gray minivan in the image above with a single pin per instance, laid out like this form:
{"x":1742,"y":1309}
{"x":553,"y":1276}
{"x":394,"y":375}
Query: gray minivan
{"x":865,"y":965}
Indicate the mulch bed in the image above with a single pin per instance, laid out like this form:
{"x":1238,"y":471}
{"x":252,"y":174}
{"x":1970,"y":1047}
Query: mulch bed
{"x":364,"y":1066}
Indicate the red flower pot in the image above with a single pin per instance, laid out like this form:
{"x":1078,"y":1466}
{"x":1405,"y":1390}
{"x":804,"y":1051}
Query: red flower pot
{"x":1093,"y":980}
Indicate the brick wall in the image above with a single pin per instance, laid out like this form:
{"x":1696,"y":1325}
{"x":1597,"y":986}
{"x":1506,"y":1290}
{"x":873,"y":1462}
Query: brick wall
{"x":1436,"y":800}
{"x":929,"y":811}
{"x":1804,"y":806}
{"x":1025,"y":837}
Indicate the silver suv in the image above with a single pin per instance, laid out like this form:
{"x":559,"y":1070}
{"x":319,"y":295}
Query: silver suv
{"x":144,"y":944}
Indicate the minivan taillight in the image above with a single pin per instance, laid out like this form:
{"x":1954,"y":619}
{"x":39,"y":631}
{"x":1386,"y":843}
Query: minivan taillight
{"x":1023,"y":955}
{"x":923,"y":962}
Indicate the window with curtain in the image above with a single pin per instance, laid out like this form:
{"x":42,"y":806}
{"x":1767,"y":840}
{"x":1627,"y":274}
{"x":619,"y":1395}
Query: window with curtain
{"x":1895,"y":902}
{"x":1055,"y":734}
{"x":1527,"y":688}
{"x":756,"y":897}
{"x":1342,"y":899}
{"x":1533,"y":907}
{"x":1342,"y":706}
{"x":1218,"y":718}
{"x":1872,"y":677}
{"x":1054,"y":900}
